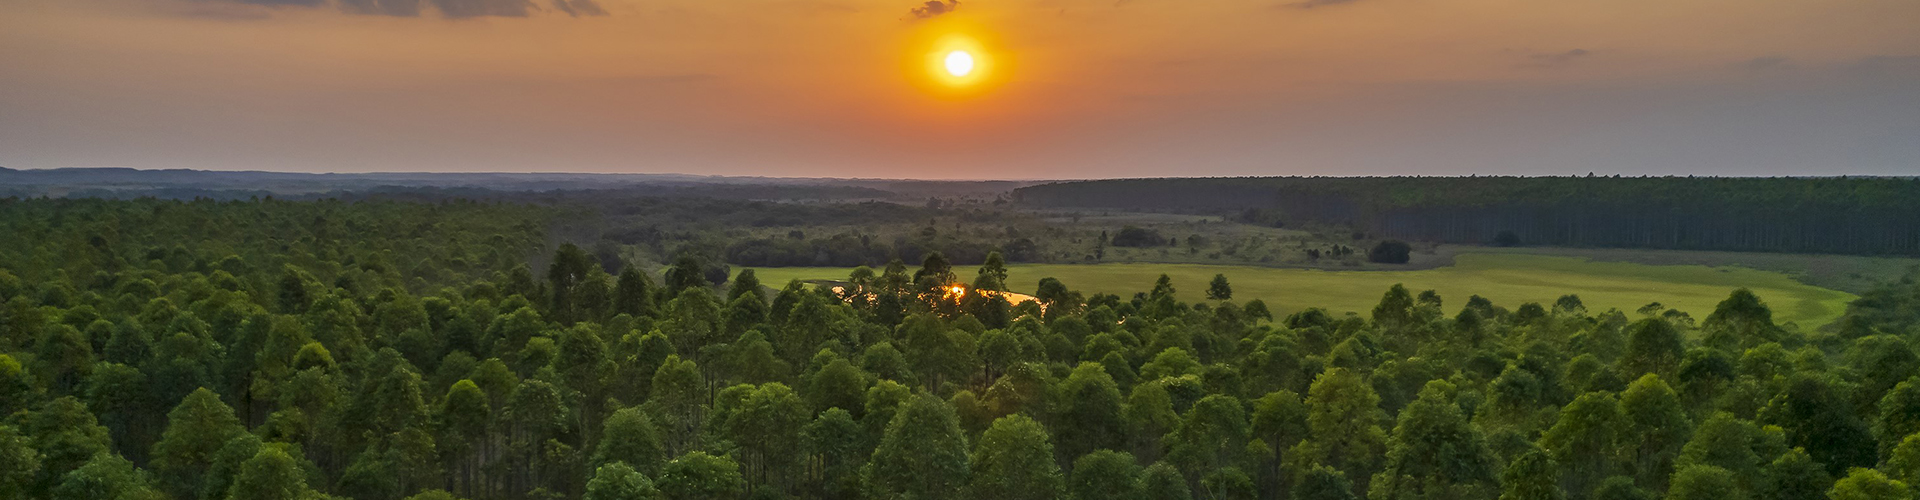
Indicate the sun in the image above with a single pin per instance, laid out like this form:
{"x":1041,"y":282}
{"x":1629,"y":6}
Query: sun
{"x":959,"y":63}
{"x":955,"y":61}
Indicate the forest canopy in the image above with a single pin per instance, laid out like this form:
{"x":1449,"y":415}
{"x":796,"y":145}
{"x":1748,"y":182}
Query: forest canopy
{"x":385,"y":350}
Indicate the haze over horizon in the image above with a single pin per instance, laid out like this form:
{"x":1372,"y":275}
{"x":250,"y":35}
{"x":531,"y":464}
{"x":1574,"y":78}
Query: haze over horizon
{"x":1089,"y":88}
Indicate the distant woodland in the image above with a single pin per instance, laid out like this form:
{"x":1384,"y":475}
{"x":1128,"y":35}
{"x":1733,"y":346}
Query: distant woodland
{"x":1866,"y":216}
{"x":385,"y":350}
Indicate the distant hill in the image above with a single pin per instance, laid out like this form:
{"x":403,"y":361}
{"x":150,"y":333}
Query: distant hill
{"x":1849,"y":215}
{"x":182,"y":183}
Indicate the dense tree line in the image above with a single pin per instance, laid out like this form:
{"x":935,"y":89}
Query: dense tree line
{"x":342,"y":353}
{"x":1823,"y":215}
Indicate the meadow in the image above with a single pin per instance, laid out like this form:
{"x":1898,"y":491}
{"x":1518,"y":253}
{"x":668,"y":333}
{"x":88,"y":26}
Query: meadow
{"x":1507,"y":279}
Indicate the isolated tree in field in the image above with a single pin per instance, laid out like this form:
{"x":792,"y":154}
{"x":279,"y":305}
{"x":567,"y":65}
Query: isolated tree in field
{"x":1218,"y":289}
{"x":923,"y":454}
{"x":1014,"y":461}
{"x":1390,"y":252}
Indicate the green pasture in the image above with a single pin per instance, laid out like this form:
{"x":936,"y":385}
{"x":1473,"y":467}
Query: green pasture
{"x":1507,"y":279}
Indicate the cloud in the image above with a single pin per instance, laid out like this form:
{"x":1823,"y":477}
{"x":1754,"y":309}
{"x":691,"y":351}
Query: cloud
{"x":933,"y":9}
{"x":577,"y":8}
{"x":455,"y":9}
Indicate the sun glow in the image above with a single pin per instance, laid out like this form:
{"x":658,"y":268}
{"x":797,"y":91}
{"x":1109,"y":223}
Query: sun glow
{"x":950,"y":59}
{"x":959,"y":63}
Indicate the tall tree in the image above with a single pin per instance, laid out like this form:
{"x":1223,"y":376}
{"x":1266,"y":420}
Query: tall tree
{"x":1344,"y":416}
{"x":922,"y":456}
{"x":1105,"y":475}
{"x":699,"y":476}
{"x":1014,"y":461}
{"x":1219,"y":289}
{"x":196,"y":429}
{"x":1436,"y":453}
{"x":1585,"y":441}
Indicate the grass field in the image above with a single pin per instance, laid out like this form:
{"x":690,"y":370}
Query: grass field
{"x":1507,"y":279}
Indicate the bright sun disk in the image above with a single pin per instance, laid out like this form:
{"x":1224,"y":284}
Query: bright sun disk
{"x":959,"y":63}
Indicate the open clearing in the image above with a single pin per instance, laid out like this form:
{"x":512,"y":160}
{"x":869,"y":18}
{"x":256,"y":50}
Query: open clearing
{"x":1507,"y":279}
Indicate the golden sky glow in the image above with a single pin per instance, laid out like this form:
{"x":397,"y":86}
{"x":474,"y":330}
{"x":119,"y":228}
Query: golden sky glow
{"x":1058,"y":88}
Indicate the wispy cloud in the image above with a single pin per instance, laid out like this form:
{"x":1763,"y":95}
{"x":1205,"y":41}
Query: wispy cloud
{"x":456,"y":9}
{"x":932,"y":9}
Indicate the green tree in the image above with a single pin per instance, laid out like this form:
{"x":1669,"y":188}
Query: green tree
{"x":19,"y":462}
{"x":1014,"y":460}
{"x":1621,"y":488}
{"x":106,"y":476}
{"x":1869,"y":484}
{"x":1657,"y":428}
{"x":1704,"y":482}
{"x":1435,"y":453}
{"x":617,"y":481}
{"x":1218,"y":289}
{"x":1792,"y":476}
{"x":1213,"y":434}
{"x":835,"y":442}
{"x":1653,"y":346}
{"x":1090,"y":401}
{"x":1533,"y":476}
{"x":1164,"y":482}
{"x":271,"y":475}
{"x":1816,"y":418}
{"x":763,"y":427}
{"x":633,"y":293}
{"x":1322,"y":482}
{"x":629,"y":438}
{"x":1344,"y":419}
{"x":1106,"y":475}
{"x":699,"y":476}
{"x":196,"y":429}
{"x":1586,"y":439}
{"x":923,"y":455}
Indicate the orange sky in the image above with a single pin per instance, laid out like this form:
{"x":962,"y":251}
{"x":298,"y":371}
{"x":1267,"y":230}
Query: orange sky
{"x":1083,"y":88}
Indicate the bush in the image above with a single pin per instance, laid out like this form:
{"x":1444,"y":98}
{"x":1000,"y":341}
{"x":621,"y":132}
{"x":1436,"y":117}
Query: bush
{"x":1138,"y":237}
{"x":1390,"y":252}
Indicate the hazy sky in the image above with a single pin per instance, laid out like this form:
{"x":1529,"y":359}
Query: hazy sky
{"x":1080,"y":88}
